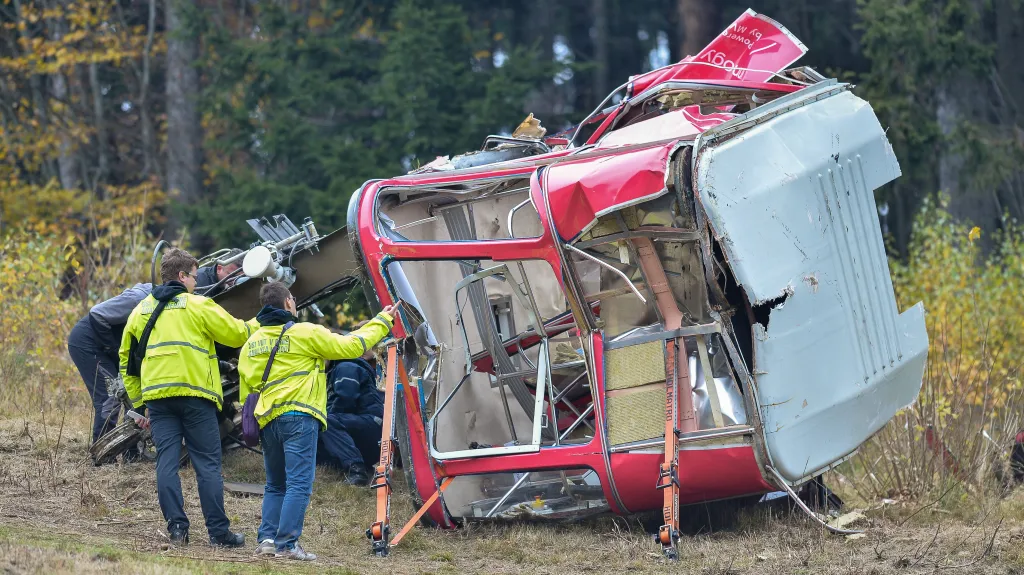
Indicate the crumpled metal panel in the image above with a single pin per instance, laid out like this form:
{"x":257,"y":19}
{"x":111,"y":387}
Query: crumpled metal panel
{"x":750,"y":49}
{"x":791,"y":201}
{"x":581,"y":191}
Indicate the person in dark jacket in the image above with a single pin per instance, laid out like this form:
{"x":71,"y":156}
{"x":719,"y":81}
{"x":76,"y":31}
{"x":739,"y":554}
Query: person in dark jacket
{"x":355,"y":411}
{"x":210,"y":278}
{"x":93,"y":344}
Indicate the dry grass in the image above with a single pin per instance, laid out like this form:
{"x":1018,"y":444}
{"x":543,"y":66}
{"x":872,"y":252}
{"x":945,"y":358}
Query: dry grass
{"x":59,"y":514}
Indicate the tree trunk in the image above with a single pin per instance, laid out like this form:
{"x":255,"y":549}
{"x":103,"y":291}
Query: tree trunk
{"x":601,"y":60}
{"x":149,"y":164}
{"x":1009,"y":36}
{"x":38,"y":103}
{"x":698,"y":21}
{"x":184,"y":134}
{"x":103,"y":167}
{"x":66,"y":168}
{"x":66,"y":158}
{"x":579,"y":18}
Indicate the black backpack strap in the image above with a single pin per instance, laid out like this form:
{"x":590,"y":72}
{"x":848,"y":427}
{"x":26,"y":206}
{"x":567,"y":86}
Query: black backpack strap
{"x":273,"y":354}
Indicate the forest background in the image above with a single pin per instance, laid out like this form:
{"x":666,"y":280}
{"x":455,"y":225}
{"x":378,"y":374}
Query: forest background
{"x":126,"y":121}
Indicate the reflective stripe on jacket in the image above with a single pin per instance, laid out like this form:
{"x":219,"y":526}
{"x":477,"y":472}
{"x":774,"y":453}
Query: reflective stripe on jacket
{"x":180,"y":358}
{"x":297,"y":379}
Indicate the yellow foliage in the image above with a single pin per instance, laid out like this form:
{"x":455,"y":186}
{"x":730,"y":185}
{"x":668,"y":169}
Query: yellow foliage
{"x":35,"y":322}
{"x":973,"y":306}
{"x":963,"y":423}
{"x":50,"y":274}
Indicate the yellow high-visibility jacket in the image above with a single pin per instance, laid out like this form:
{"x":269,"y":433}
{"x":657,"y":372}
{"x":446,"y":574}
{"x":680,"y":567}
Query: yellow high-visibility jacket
{"x":180,"y":357}
{"x":297,"y":379}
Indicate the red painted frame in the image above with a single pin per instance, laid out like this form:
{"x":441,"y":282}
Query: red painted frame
{"x":628,"y":479}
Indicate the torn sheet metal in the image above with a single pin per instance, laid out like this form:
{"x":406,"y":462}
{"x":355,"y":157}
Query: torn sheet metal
{"x":791,"y":201}
{"x":675,"y":124}
{"x":730,"y":399}
{"x":579,"y":192}
{"x":752,"y":48}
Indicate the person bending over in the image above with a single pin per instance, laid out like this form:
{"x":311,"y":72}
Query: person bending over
{"x":210,"y":279}
{"x":93,"y":344}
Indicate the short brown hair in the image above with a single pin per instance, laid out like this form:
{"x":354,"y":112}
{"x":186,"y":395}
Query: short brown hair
{"x":176,"y":261}
{"x":274,"y":294}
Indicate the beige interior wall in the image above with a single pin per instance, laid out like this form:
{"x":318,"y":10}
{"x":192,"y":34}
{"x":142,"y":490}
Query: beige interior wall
{"x":476,"y":412}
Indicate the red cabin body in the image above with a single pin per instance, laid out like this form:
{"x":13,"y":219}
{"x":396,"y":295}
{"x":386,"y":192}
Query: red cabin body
{"x":571,"y":303}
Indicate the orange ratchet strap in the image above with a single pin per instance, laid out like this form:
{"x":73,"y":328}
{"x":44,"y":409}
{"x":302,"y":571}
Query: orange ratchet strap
{"x":379,"y":531}
{"x":668,"y":478}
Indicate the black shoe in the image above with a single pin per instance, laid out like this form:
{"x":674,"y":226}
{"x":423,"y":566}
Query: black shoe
{"x":229,"y":539}
{"x":357,"y":475}
{"x":178,"y":535}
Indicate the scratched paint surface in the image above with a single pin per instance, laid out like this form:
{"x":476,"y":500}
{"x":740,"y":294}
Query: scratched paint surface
{"x":791,"y":201}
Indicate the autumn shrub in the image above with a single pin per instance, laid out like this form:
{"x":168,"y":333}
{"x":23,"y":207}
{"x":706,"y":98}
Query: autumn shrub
{"x":50,"y":275}
{"x":35,"y":370}
{"x":958,"y":434}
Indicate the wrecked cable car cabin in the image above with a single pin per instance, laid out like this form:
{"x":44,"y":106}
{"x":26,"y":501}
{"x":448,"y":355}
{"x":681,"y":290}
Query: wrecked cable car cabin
{"x":685,"y":299}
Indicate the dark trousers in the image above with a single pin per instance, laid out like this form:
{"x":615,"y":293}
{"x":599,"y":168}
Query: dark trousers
{"x":95,"y":367}
{"x":349,"y":439}
{"x":193,"y":419}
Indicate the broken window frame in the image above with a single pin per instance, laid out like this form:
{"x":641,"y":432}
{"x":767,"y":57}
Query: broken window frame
{"x":638,"y":108}
{"x":546,"y":402}
{"x":701,"y":332}
{"x":449,"y":189}
{"x":568,"y":479}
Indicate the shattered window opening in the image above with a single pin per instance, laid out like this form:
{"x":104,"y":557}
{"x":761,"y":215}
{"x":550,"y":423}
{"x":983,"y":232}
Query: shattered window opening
{"x":486,"y":405}
{"x":551,"y":495}
{"x":459,"y":212}
{"x":659,"y":223}
{"x":671,"y":97}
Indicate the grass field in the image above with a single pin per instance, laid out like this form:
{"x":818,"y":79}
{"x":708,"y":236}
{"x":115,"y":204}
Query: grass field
{"x":60,"y":514}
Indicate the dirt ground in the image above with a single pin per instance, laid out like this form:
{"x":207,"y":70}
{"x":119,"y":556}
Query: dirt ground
{"x":60,"y":514}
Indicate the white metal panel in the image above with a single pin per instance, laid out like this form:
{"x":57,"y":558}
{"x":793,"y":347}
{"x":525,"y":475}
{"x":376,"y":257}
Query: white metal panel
{"x":791,"y":200}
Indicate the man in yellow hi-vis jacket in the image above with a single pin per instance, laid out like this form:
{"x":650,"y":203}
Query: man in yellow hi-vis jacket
{"x":292,"y":406}
{"x":168,"y":362}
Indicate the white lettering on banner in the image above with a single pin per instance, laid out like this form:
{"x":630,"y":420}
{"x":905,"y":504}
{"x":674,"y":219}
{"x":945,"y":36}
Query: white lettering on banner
{"x":718,"y":59}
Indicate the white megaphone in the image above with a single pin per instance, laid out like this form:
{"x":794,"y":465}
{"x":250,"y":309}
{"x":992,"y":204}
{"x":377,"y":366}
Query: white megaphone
{"x":259,"y":263}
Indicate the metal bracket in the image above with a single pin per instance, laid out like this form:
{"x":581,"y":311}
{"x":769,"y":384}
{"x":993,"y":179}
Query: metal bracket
{"x":796,"y":499}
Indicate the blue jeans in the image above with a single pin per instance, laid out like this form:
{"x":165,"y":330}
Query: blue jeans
{"x":289,"y":456}
{"x":195,"y":420}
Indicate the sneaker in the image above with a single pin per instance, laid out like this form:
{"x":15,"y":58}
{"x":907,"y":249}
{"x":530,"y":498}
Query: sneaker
{"x":297,"y":553}
{"x":178,"y":535}
{"x":266,"y":547}
{"x":357,"y":475}
{"x":229,"y":539}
